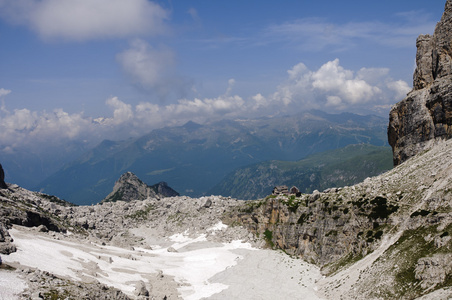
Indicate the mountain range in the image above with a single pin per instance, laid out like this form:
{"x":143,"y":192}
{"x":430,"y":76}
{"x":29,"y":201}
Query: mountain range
{"x":193,"y":158}
{"x":329,"y":169}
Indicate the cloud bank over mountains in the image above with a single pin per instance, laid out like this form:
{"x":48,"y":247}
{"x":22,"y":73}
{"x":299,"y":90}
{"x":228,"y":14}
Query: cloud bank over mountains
{"x":331,"y":88}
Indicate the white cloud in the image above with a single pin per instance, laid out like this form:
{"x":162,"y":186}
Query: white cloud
{"x":333,"y":101}
{"x":152,"y":69}
{"x":4,"y":92}
{"x":206,"y":108}
{"x":331,"y":78}
{"x":23,"y":127}
{"x":335,"y":88}
{"x":20,"y":120}
{"x":122,"y":112}
{"x":400,"y":87}
{"x":259,"y":101}
{"x":144,"y":63}
{"x":87,"y":19}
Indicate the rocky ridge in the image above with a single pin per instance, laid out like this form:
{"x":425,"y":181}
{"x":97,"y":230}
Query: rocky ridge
{"x":425,"y":115}
{"x":129,"y":187}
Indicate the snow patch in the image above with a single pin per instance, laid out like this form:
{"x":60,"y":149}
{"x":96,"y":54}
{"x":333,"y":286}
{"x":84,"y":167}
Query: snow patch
{"x":10,"y":285}
{"x":120,"y":267}
{"x":217,"y":227}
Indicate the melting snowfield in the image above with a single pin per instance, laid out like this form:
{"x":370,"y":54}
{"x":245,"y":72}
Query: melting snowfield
{"x":200,"y":269}
{"x":10,"y":285}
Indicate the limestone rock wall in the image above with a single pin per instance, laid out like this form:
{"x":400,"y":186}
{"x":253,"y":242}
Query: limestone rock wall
{"x":322,"y":227}
{"x":425,"y":115}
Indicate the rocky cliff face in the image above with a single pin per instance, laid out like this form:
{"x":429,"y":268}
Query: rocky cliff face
{"x":425,"y":115}
{"x":394,"y":229}
{"x":130,"y":187}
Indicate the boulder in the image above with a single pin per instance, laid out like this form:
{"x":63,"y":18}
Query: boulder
{"x":6,"y":246}
{"x":141,"y":290}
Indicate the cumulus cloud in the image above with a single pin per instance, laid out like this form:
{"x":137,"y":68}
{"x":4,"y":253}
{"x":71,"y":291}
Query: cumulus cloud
{"x":334,"y":88}
{"x":4,"y":92}
{"x":122,"y":112}
{"x":24,"y":127}
{"x":400,"y":88}
{"x":333,"y":79}
{"x":152,"y":69}
{"x":87,"y":19}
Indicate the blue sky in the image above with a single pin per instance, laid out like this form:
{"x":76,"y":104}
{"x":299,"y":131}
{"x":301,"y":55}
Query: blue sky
{"x":91,"y":69}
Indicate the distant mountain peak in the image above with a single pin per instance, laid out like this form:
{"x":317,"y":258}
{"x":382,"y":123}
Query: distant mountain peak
{"x":191,"y":126}
{"x":129,"y":187}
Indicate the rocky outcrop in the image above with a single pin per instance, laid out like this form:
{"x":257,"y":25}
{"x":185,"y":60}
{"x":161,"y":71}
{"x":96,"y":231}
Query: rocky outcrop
{"x":425,"y":115}
{"x":321,"y":227}
{"x":164,"y":190}
{"x":129,"y":187}
{"x":2,"y":178}
{"x":6,"y":246}
{"x":44,"y":285}
{"x":433,"y":270}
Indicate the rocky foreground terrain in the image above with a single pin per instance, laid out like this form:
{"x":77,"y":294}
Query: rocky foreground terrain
{"x":388,"y":237}
{"x":170,"y":248}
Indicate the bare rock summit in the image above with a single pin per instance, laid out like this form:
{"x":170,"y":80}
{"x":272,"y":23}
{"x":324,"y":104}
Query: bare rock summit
{"x":129,"y":187}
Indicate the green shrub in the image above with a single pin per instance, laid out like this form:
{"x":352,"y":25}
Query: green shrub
{"x":269,"y":238}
